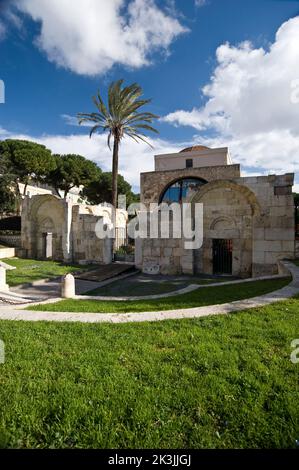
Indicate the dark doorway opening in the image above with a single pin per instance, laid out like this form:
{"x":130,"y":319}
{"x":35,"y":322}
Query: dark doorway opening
{"x":222,"y":256}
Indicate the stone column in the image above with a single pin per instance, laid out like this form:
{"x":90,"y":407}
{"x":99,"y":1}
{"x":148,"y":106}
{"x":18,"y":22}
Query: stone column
{"x":48,"y":245}
{"x":68,"y":287}
{"x":3,"y":286}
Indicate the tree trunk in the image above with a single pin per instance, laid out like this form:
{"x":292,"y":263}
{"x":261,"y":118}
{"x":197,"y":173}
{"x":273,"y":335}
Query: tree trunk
{"x":57,"y":192}
{"x":114,"y":186}
{"x":25,"y":187}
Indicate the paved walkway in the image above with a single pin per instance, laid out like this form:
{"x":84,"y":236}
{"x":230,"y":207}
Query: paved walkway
{"x":184,"y":290}
{"x":11,"y":313}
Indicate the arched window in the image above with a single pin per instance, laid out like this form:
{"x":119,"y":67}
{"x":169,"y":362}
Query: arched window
{"x":181,"y":190}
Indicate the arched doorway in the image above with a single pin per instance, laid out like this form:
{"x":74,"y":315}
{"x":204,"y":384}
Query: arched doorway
{"x":228,"y":214}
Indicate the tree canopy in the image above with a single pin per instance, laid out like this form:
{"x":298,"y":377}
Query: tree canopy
{"x":24,"y":161}
{"x":8,"y":197}
{"x":72,"y":171}
{"x":122,"y":115}
{"x":100,"y":190}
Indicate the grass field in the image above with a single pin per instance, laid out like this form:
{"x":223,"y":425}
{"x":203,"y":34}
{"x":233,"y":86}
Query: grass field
{"x":29,"y":270}
{"x":197,"y":298}
{"x":216,"y":382}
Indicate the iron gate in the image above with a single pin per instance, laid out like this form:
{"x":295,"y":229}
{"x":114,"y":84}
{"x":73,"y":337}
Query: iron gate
{"x":222,"y":256}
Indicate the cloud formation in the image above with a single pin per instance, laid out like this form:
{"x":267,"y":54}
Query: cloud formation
{"x":200,"y":3}
{"x":109,"y":32}
{"x":2,"y":31}
{"x":251,"y":102}
{"x":134,"y":158}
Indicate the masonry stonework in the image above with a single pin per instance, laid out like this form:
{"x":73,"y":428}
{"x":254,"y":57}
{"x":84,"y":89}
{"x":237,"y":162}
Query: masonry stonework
{"x":59,"y":229}
{"x":256,"y":214}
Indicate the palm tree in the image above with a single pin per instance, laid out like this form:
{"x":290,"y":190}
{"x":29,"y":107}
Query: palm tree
{"x":120,"y":118}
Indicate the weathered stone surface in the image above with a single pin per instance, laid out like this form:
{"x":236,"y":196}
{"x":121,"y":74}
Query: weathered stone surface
{"x":68,"y":287}
{"x":54,"y":228}
{"x":3,"y":286}
{"x":259,"y":223}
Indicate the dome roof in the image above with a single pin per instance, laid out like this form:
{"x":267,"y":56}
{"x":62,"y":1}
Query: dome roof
{"x":195,"y":148}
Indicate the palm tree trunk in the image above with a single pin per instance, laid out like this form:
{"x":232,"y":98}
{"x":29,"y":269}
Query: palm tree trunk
{"x":114,"y":186}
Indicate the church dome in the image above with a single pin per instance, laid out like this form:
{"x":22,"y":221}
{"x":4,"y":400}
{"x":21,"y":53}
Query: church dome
{"x":195,"y":148}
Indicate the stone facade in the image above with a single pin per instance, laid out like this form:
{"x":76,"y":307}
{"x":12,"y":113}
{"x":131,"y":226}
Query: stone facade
{"x":256,"y":214}
{"x":54,"y":228}
{"x":153,"y":184}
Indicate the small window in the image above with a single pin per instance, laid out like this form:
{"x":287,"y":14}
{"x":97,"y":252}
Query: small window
{"x":180,"y":190}
{"x":189,"y":163}
{"x":282,"y":190}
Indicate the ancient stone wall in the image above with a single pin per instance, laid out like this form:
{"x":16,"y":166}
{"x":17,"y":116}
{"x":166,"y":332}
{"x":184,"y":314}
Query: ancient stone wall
{"x":256,"y":213}
{"x":54,"y":228}
{"x":87,"y":247}
{"x":164,"y":256}
{"x":274,"y":226}
{"x":154,"y":183}
{"x":41,"y":215}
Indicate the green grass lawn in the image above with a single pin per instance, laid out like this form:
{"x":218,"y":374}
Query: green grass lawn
{"x":216,"y":382}
{"x":200,"y":297}
{"x":296,"y":262}
{"x":29,"y":270}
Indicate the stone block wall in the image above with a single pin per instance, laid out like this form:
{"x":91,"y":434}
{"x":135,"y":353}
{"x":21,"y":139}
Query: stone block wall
{"x":153,"y":183}
{"x":46,"y":214}
{"x":164,"y":256}
{"x":71,"y":230}
{"x":274,"y":226}
{"x":86,"y":246}
{"x":256,"y":213}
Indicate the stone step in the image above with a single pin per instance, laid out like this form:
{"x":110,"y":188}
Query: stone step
{"x":14,"y":299}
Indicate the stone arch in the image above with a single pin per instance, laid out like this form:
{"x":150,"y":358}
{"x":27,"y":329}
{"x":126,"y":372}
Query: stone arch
{"x":47,"y":215}
{"x":176,"y":180}
{"x":228,"y":213}
{"x":227,"y":184}
{"x":224,"y":222}
{"x":47,"y":224}
{"x":40,"y":200}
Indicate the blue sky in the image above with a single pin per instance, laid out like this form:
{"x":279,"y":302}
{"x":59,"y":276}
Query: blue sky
{"x":54,"y":57}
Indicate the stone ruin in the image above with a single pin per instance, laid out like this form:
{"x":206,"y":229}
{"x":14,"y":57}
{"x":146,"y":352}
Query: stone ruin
{"x":59,"y":229}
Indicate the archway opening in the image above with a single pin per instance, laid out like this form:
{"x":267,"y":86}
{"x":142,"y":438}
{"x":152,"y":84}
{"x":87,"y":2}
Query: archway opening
{"x":181,"y":190}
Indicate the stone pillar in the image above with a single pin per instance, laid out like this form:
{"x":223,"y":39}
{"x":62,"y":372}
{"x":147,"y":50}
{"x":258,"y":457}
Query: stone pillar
{"x":48,"y":245}
{"x":187,"y":263}
{"x":66,"y":232}
{"x":107,"y":250}
{"x":138,"y":252}
{"x":3,"y":286}
{"x":68,"y":287}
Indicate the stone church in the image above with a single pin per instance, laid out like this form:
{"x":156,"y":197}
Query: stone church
{"x":248,"y":222}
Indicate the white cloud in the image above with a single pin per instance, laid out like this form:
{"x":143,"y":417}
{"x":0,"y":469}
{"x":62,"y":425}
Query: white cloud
{"x":2,"y":31}
{"x":73,"y":121}
{"x":249,"y":105}
{"x":90,"y":36}
{"x":134,"y":158}
{"x":200,"y":3}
